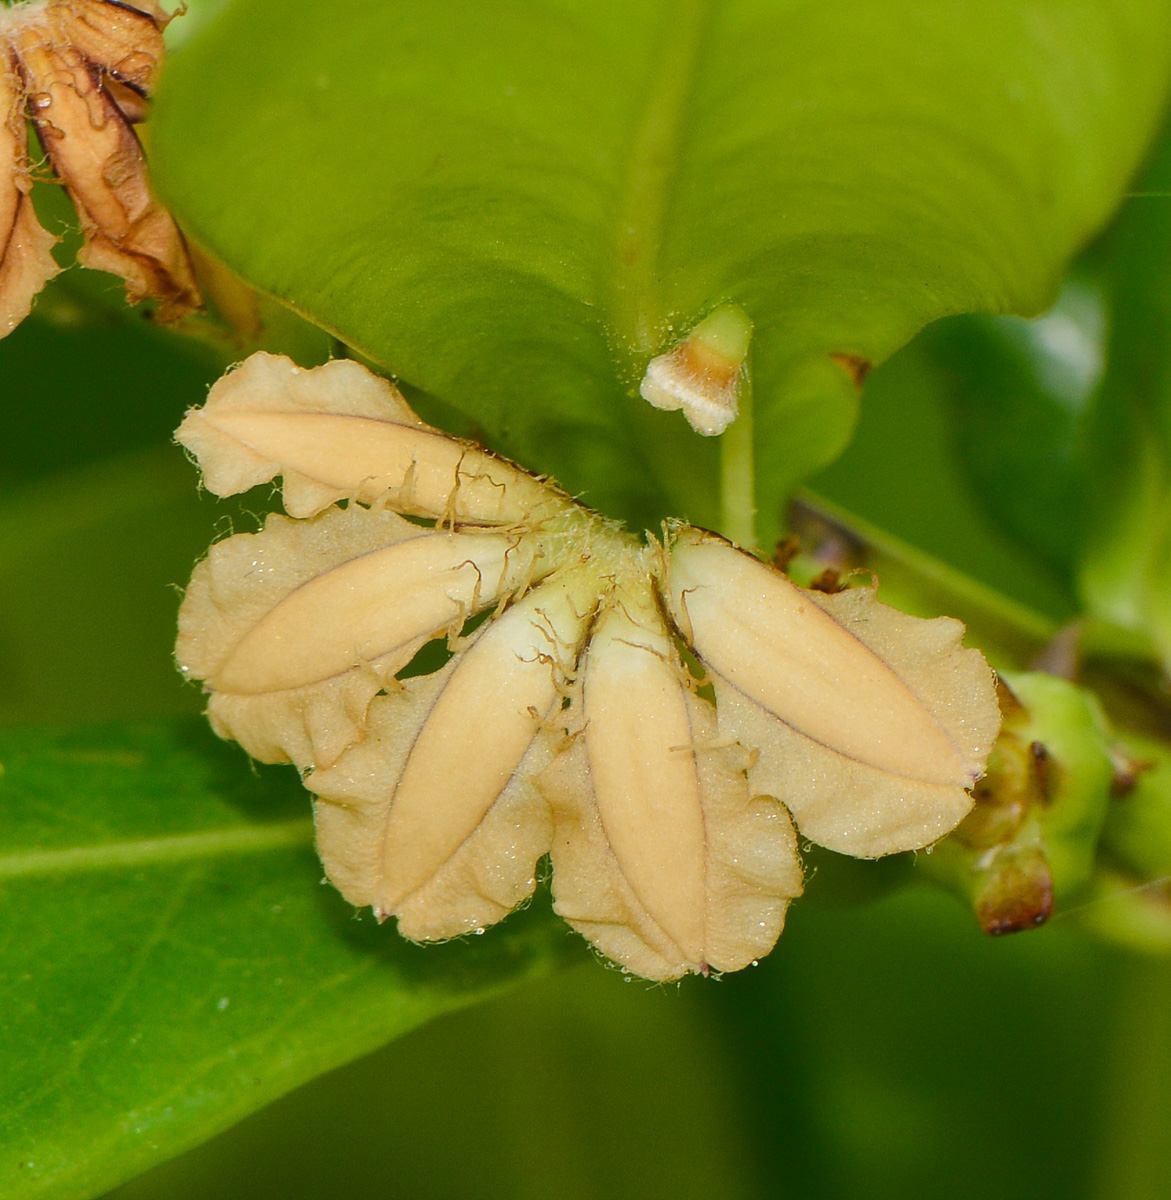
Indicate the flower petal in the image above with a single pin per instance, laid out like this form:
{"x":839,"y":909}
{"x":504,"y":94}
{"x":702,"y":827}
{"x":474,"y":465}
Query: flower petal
{"x":296,"y":628}
{"x":434,"y":816}
{"x":123,"y":40}
{"x":95,"y":153}
{"x":26,"y":263}
{"x":338,"y":431}
{"x":869,"y":724}
{"x":660,"y":856}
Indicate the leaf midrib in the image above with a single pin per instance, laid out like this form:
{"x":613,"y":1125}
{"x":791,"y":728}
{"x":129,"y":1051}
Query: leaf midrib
{"x":636,"y":308}
{"x":220,"y":843}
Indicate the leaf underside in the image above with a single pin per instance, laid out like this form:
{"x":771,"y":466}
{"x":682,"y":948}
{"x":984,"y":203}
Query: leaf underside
{"x":531,"y":200}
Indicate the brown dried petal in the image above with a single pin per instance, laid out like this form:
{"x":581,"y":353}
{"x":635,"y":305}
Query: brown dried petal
{"x":125,"y":41}
{"x":660,"y":856}
{"x":868,"y":724}
{"x":296,"y":628}
{"x":134,"y":107}
{"x":99,"y":160}
{"x":434,"y":816}
{"x":26,"y":263}
{"x":339,"y":431}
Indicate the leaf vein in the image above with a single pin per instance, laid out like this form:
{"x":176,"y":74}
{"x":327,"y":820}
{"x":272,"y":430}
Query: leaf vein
{"x":636,"y":303}
{"x":218,"y":843}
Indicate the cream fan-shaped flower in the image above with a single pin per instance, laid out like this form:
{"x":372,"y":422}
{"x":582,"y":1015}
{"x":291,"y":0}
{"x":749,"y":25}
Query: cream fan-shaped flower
{"x":567,"y":723}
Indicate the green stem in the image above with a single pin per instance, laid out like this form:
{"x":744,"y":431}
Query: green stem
{"x":738,"y":473}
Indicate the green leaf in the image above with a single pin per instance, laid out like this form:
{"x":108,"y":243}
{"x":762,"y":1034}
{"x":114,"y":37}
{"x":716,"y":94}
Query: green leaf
{"x":89,"y":565}
{"x":514,"y":206}
{"x":84,"y":381}
{"x":1125,"y":565}
{"x":170,"y":959}
{"x":100,"y":518}
{"x":1021,"y":394}
{"x":1064,"y":422}
{"x":889,"y":1052}
{"x":902,"y":474}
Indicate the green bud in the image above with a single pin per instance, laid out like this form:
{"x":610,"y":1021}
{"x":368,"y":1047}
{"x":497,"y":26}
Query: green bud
{"x":1131,"y":898}
{"x":1030,"y":840}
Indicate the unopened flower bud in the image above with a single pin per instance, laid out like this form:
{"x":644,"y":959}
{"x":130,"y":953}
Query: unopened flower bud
{"x":701,"y":374}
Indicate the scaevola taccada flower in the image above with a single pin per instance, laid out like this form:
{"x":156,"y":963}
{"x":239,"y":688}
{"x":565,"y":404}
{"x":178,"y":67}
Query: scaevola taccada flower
{"x":567,"y":723}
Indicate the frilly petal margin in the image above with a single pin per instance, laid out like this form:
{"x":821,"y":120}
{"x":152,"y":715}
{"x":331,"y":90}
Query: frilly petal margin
{"x":661,"y":857}
{"x":434,"y":817}
{"x":869,"y":724}
{"x":337,"y":432}
{"x":295,"y":629}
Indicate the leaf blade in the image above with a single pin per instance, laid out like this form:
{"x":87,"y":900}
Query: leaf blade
{"x":521,"y":182}
{"x":240,"y":977}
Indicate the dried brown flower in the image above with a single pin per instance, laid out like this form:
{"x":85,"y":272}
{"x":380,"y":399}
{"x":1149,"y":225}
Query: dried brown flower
{"x":82,"y":72}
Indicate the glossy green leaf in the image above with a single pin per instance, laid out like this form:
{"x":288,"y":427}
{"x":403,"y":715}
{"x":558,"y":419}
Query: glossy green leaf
{"x":1125,"y":565}
{"x":889,"y":1052}
{"x":100,"y":519}
{"x":90,"y":564}
{"x":170,"y":962}
{"x":1064,"y":422}
{"x":903,"y":474}
{"x":1021,"y":394}
{"x":513,"y":206}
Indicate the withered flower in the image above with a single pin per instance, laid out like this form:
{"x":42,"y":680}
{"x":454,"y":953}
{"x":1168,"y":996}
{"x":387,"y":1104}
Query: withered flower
{"x":82,"y":71}
{"x":568,"y":723}
{"x":26,"y":263}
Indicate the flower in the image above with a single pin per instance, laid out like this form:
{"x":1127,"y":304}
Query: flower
{"x":567,"y":723}
{"x":702,"y":373}
{"x":82,"y":71}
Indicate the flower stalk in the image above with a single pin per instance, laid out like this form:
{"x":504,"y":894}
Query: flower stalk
{"x":738,"y":472}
